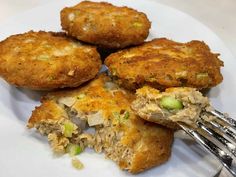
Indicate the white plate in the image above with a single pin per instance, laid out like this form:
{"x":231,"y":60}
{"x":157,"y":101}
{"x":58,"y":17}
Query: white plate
{"x":23,"y":153}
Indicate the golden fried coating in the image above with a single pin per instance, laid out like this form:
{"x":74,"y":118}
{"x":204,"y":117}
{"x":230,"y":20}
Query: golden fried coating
{"x":162,"y":63}
{"x":105,"y":25}
{"x":47,"y":60}
{"x":134,"y":144}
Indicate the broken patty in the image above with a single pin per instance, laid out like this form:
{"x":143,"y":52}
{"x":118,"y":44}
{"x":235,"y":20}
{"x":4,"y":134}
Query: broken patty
{"x":47,"y":60}
{"x":180,"y":104}
{"x":134,"y":144}
{"x":105,"y":25}
{"x":162,"y":63}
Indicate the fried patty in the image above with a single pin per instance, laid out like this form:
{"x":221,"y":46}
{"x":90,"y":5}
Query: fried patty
{"x":134,"y":144}
{"x":179,"y":104}
{"x":162,"y":63}
{"x":47,"y":60}
{"x":105,"y":25}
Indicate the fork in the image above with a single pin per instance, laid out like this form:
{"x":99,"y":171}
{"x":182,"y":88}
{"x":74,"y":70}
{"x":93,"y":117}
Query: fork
{"x":217,"y":136}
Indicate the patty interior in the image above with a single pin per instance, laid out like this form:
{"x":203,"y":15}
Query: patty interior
{"x":101,"y":138}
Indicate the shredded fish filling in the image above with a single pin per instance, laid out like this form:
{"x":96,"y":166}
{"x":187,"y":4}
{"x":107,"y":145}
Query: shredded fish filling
{"x":66,"y":133}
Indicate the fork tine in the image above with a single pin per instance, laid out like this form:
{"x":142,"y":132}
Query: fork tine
{"x":227,"y":161}
{"x":230,"y":134}
{"x":231,"y":147}
{"x":225,"y":118}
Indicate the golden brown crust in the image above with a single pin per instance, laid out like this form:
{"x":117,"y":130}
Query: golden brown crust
{"x":164,"y":122}
{"x":47,"y":60}
{"x":48,"y":110}
{"x":105,"y":25}
{"x":151,"y":147}
{"x":151,"y":144}
{"x":162,"y":63}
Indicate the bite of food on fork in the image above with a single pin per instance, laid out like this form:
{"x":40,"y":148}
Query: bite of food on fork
{"x":186,"y":108}
{"x":179,"y":104}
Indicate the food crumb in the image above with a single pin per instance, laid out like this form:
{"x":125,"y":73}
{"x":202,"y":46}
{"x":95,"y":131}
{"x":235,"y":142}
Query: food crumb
{"x":77,"y":164}
{"x":71,"y":73}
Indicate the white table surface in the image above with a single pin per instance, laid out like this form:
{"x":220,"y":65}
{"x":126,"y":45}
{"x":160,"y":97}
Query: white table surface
{"x":218,"y":15}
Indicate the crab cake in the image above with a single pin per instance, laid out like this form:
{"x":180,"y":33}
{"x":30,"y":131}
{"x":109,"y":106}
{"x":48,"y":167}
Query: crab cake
{"x":179,"y":104}
{"x":105,"y":25}
{"x":134,"y":144}
{"x":47,"y":60}
{"x":162,"y":63}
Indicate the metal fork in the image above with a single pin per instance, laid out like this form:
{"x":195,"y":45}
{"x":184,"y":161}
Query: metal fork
{"x":217,"y":136}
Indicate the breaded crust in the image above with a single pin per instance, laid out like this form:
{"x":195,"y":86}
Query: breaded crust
{"x":162,"y":63}
{"x":105,"y":25}
{"x":47,"y":60}
{"x":48,"y":110}
{"x":149,"y":144}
